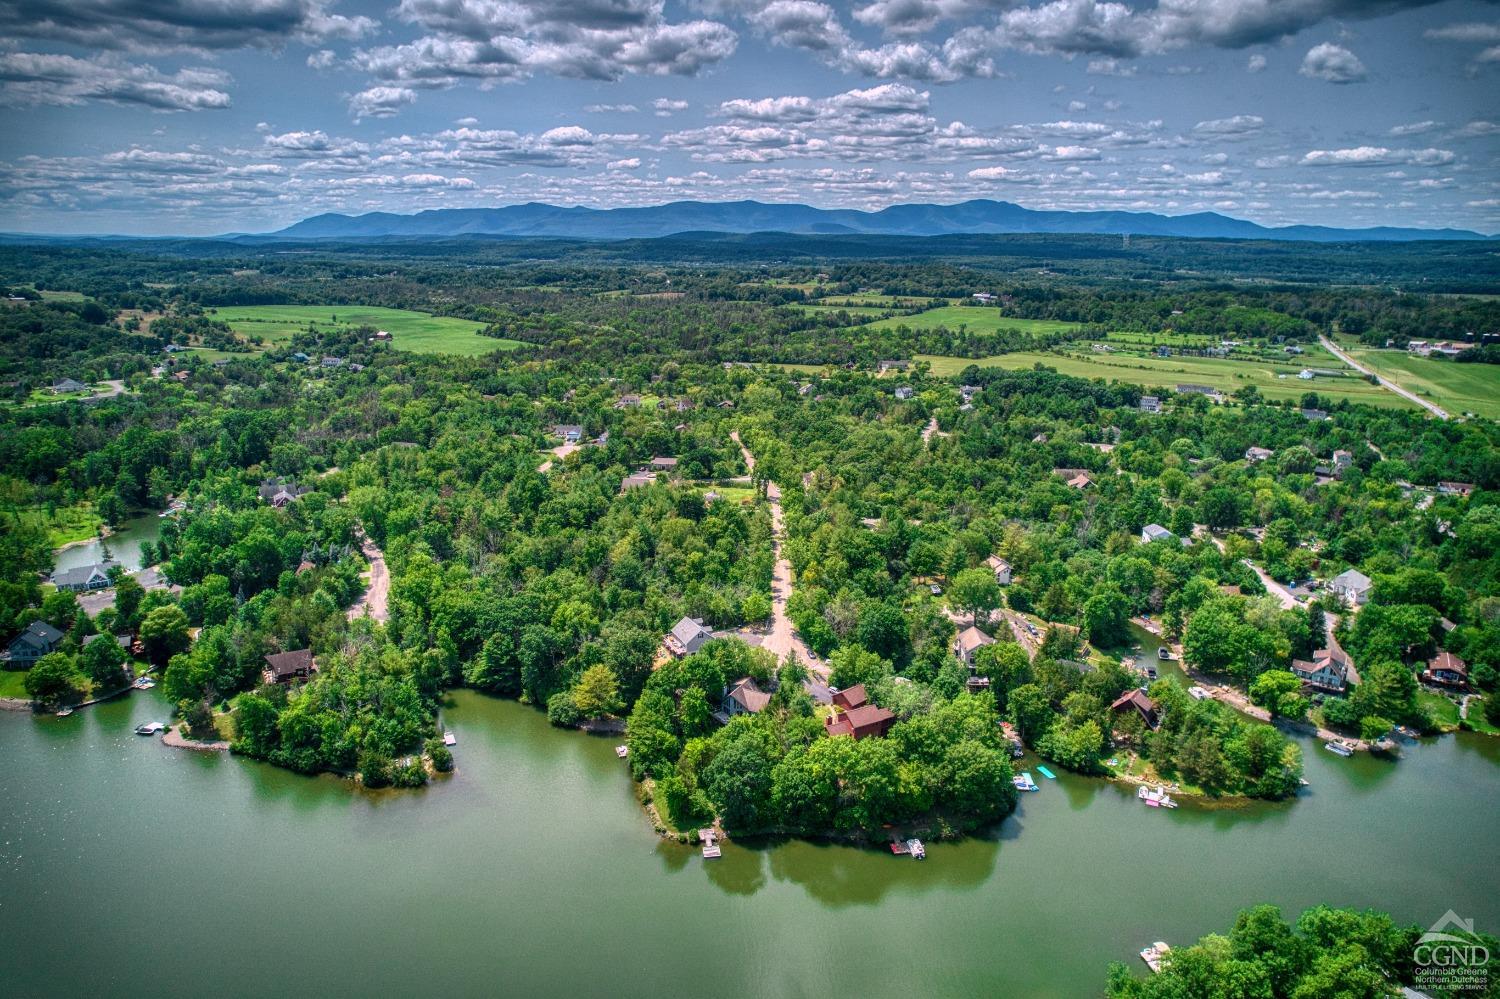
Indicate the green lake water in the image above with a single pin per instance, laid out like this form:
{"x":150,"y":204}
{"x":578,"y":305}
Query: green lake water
{"x":123,"y":546}
{"x":128,"y":868}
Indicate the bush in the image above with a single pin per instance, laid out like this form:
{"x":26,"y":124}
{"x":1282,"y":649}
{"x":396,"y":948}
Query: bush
{"x":561,"y":711}
{"x":441,"y":755}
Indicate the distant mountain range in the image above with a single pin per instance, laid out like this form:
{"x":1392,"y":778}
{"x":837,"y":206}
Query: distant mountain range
{"x":970,"y":217}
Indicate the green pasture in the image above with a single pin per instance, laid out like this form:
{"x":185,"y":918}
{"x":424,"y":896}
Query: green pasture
{"x":414,"y":331}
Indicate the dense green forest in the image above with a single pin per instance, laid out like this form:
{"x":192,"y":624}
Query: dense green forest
{"x":552,"y":574}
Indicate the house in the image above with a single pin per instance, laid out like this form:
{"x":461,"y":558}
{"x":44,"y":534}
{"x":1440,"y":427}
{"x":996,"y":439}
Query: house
{"x":1306,"y":374}
{"x":745,"y":697}
{"x":173,"y":348}
{"x":36,"y":641}
{"x":181,"y":376}
{"x":1342,"y":460}
{"x":1314,"y":415}
{"x":637,"y":480}
{"x":383,"y":336}
{"x":279,"y":492}
{"x":1447,"y":669}
{"x":854,"y":716}
{"x":84,"y":577}
{"x":123,"y":641}
{"x":968,"y":392}
{"x":1352,"y":586}
{"x":686,"y":637}
{"x":1328,"y":670}
{"x":1150,"y":404}
{"x":983,"y":296}
{"x":970,"y":641}
{"x":1455,"y":488}
{"x":1191,"y":389}
{"x":569,"y":433}
{"x":282,"y":667}
{"x":660,"y":464}
{"x":68,"y":385}
{"x":332,"y":362}
{"x":1078,"y":478}
{"x":627,"y":401}
{"x":1257,"y":454}
{"x":1291,"y":348}
{"x":904,"y":392}
{"x":1000,"y":567}
{"x":682,"y":405}
{"x":1137,"y":701}
{"x":804,"y":388}
{"x":299,"y":356}
{"x":1155,"y":532}
{"x":896,"y":365}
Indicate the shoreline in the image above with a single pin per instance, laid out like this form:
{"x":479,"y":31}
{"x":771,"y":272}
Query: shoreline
{"x":173,"y":737}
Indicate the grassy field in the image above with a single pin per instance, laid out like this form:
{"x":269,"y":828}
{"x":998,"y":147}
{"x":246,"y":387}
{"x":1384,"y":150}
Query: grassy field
{"x":863,"y":311}
{"x":1166,"y":372}
{"x":66,"y":524}
{"x":414,"y":331}
{"x":1458,"y":388}
{"x":880,"y":301}
{"x":11,"y":684}
{"x":979,"y":320}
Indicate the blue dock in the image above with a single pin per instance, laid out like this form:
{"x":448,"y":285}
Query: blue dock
{"x":1046,"y":773}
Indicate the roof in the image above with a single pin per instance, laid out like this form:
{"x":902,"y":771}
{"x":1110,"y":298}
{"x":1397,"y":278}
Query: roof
{"x":866,"y":716}
{"x":1448,"y":661}
{"x":690,"y":634}
{"x":1156,"y":532}
{"x":40,"y":631}
{"x":852,"y":697}
{"x":1350,"y":579}
{"x":748,"y":695}
{"x":972,"y":638}
{"x":996,"y":562}
{"x":290,"y":663}
{"x":81,"y":574}
{"x":1134,"y":699}
{"x":664,"y":462}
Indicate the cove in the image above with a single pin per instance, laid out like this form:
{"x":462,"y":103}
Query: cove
{"x":129,"y":867}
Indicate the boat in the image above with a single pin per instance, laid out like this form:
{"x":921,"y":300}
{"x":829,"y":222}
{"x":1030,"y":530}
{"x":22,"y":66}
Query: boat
{"x":144,"y":683}
{"x":1046,"y":773}
{"x":622,"y":751}
{"x":1154,"y":955}
{"x":1023,"y":782}
{"x":1155,"y":797}
{"x":1197,"y":693}
{"x":1339,"y":748}
{"x":899,"y":847}
{"x":1163,"y":653}
{"x":449,"y":739}
{"x":916,"y":849}
{"x":150,"y":728}
{"x":1150,"y":672}
{"x":1407,"y":732}
{"x":64,"y":712}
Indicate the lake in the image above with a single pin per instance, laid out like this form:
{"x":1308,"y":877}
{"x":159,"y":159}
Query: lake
{"x":124,"y":545}
{"x":127,"y":867}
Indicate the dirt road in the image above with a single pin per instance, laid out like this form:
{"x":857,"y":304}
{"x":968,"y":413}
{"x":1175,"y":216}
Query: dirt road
{"x":373,"y":603}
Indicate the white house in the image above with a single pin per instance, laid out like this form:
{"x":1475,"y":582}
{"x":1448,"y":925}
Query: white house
{"x":1306,"y":374}
{"x":1352,"y":586}
{"x":1000,"y":568}
{"x":1327,"y":670}
{"x":1155,"y":532}
{"x":970,"y":641}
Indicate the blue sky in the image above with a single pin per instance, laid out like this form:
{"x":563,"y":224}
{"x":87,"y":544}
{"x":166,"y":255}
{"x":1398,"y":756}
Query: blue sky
{"x":210,"y":116}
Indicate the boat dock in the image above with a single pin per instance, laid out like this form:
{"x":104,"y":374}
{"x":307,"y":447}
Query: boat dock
{"x":449,"y":739}
{"x":1023,"y":782}
{"x":622,"y":751}
{"x":1155,"y":797}
{"x":711,"y":850}
{"x":1155,"y":955}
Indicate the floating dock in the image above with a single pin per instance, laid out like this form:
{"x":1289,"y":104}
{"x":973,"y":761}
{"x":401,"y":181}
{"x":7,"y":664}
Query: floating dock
{"x":711,"y":850}
{"x":1023,"y":782}
{"x":1155,"y":798}
{"x":449,"y":739}
{"x":1339,"y":748}
{"x":1155,"y":955}
{"x":622,"y":751}
{"x":1046,"y":773}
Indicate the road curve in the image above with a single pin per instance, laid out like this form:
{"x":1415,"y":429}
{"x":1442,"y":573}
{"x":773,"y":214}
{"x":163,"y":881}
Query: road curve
{"x":1333,"y":349}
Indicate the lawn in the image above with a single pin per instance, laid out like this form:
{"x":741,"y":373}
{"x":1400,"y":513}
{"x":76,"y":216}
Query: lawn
{"x":414,"y":331}
{"x":1442,"y":711}
{"x":976,"y":318}
{"x":1166,"y":372}
{"x":65,"y":524}
{"x":12,"y":684}
{"x":1458,"y":388}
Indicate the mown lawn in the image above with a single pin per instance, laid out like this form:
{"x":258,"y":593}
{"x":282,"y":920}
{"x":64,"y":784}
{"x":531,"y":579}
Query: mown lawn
{"x":1458,"y":388}
{"x":1225,"y":374}
{"x":11,"y":684}
{"x":414,"y":331}
{"x":976,"y":318}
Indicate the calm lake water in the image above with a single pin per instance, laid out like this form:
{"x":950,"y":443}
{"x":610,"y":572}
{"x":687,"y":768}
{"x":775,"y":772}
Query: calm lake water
{"x":127,"y":867}
{"x":124,"y":545}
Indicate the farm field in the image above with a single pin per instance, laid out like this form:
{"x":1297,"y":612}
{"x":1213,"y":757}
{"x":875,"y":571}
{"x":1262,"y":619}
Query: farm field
{"x":883,"y":301}
{"x":862,"y":311}
{"x":1166,"y":372}
{"x":980,"y":320}
{"x":1458,"y":388}
{"x":414,"y":331}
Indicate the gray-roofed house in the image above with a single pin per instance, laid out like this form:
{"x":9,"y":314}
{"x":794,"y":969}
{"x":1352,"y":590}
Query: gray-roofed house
{"x":68,"y":385}
{"x":661,"y":464}
{"x":686,"y":637}
{"x":1314,"y":415}
{"x":745,"y":698}
{"x":36,"y":641}
{"x":1327,"y":670}
{"x":904,"y":392}
{"x":1150,"y":404}
{"x":637,"y":480}
{"x":280,"y":492}
{"x":282,"y":667}
{"x":570,"y":433}
{"x":1352,"y":586}
{"x":1155,"y":532}
{"x":1255,"y":454}
{"x":1000,"y":567}
{"x":80,"y":579}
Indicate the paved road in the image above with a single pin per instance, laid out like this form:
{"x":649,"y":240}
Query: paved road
{"x":1333,"y":349}
{"x":783,"y":639}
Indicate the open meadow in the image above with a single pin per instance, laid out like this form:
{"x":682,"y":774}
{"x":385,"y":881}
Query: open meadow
{"x":975,"y":318}
{"x":417,"y":332}
{"x":1458,"y":388}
